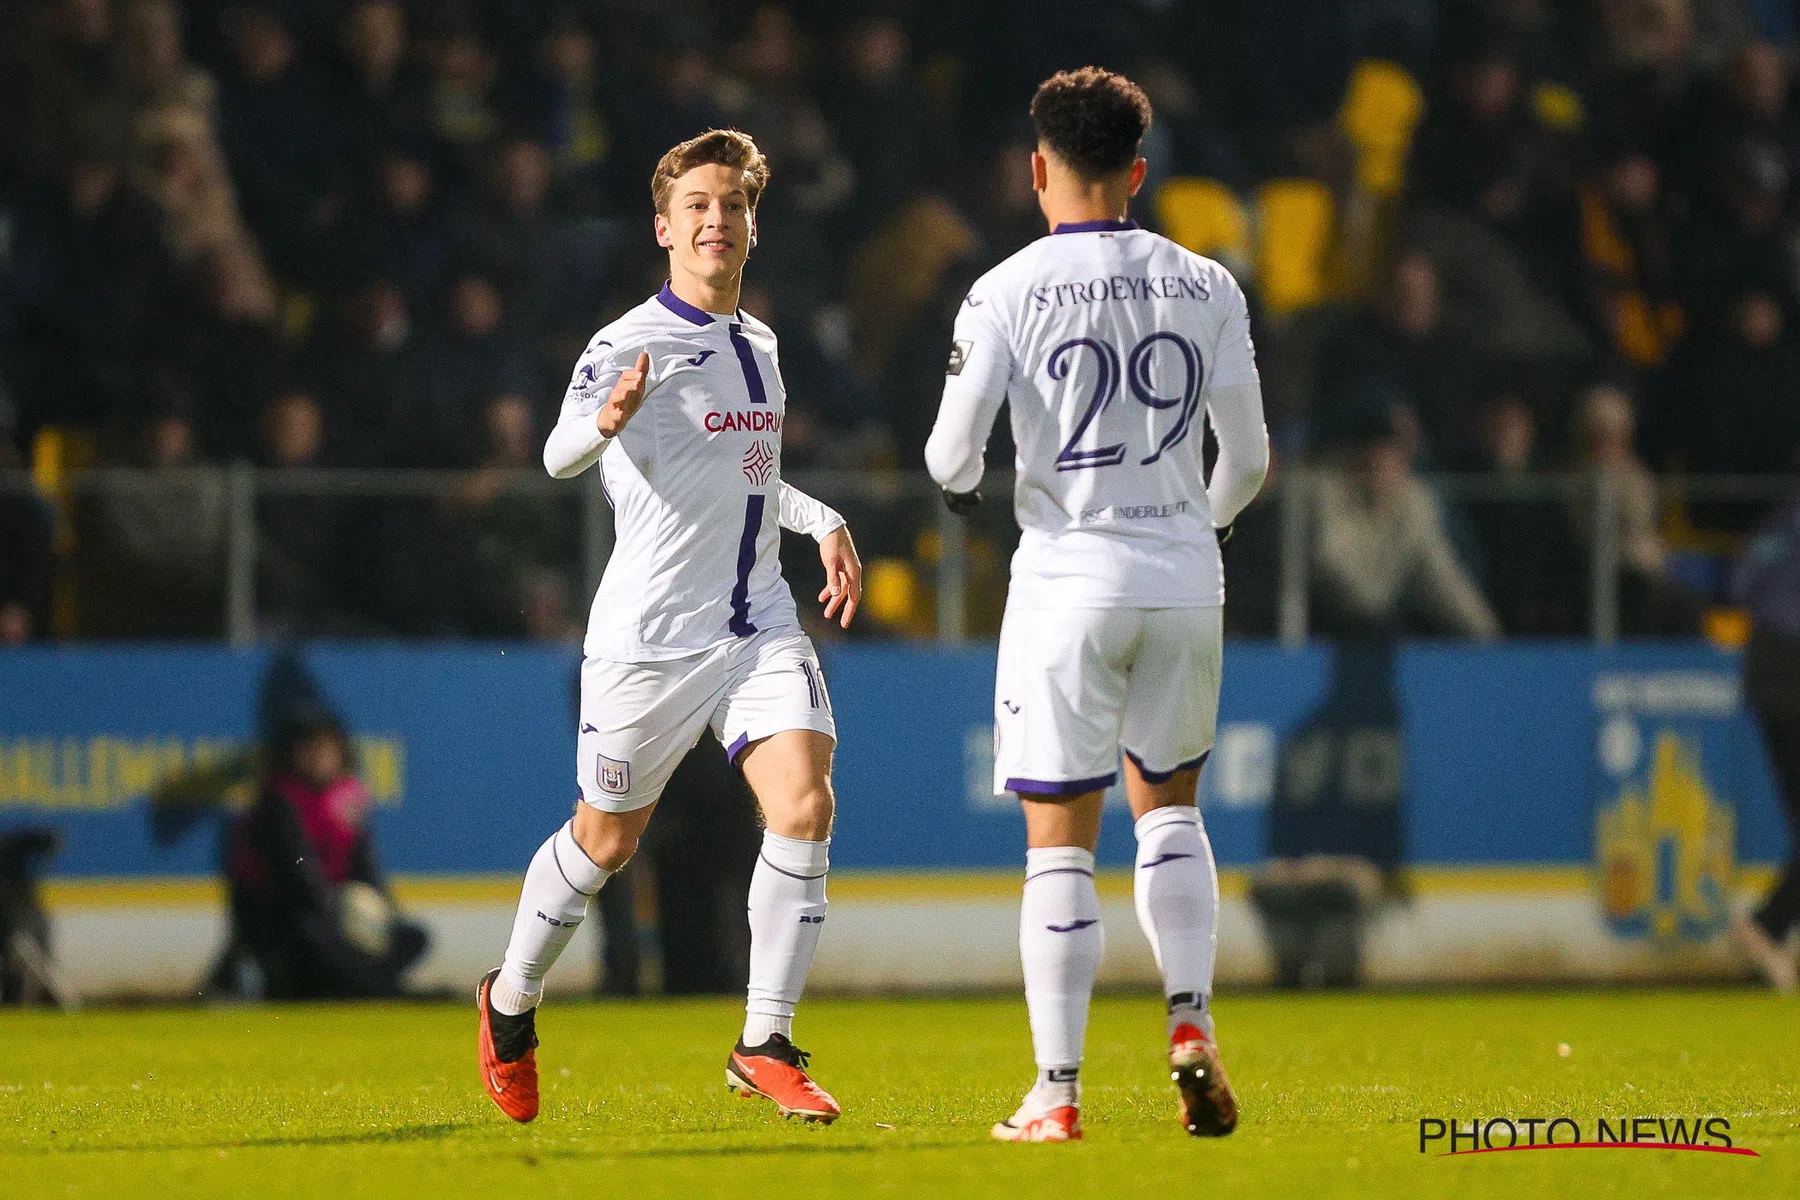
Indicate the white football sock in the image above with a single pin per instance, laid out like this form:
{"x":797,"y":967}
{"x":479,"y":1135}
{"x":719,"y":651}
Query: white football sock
{"x":560,"y":882}
{"x":1177,"y":890}
{"x":1060,"y":944}
{"x":787,"y":912}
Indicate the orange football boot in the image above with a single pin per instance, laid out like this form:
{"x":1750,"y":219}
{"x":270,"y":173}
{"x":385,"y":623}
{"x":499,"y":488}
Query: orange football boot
{"x":776,"y":1070}
{"x":1208,"y":1108}
{"x":1061,"y":1124}
{"x":508,"y":1051}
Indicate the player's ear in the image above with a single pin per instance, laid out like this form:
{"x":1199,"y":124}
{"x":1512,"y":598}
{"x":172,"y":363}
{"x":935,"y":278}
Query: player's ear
{"x":1137,"y":175}
{"x":1040,"y":171}
{"x":663,"y":238}
{"x":753,"y":230}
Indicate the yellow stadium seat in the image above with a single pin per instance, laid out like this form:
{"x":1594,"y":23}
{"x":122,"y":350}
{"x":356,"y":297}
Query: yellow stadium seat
{"x":1294,"y":230}
{"x":1205,"y":216}
{"x":1558,"y":106}
{"x":1382,"y":106}
{"x":49,"y":460}
{"x":891,"y":592}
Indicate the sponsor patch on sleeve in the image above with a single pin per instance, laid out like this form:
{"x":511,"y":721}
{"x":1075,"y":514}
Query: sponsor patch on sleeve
{"x":959,"y":354}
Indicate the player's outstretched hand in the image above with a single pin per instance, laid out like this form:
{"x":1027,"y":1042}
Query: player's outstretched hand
{"x":843,"y":575}
{"x":627,"y":397}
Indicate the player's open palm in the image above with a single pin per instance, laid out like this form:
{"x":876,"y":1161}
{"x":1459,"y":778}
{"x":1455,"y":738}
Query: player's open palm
{"x":626,"y":398}
{"x":843,"y":575}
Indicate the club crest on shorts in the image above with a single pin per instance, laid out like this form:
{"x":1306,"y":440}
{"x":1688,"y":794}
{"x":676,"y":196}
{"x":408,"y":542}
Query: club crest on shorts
{"x":613,"y":776}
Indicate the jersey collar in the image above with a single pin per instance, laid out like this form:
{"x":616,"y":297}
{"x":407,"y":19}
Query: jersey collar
{"x":1095,"y":227}
{"x":682,"y":308}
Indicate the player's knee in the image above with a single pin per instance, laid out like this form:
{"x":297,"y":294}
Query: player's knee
{"x":609,"y":845}
{"x":807,"y":815}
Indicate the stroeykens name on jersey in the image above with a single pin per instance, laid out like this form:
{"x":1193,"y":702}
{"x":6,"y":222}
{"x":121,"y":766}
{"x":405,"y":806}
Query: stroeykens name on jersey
{"x":1108,"y":341}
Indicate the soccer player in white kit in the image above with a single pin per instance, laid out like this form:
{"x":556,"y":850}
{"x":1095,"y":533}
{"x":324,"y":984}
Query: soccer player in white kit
{"x":1108,"y":341}
{"x":679,"y":404}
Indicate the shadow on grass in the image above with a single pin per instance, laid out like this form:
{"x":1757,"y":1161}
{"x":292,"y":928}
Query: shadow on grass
{"x":367,"y":1137}
{"x":742,"y":1151}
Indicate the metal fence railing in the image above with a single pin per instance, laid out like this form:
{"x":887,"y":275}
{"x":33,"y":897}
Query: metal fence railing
{"x":235,"y":551}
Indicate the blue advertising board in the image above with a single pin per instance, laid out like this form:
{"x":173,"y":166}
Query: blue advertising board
{"x":1510,"y":754}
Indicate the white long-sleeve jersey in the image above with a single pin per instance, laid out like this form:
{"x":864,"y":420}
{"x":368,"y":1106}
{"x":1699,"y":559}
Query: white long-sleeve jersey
{"x":691,"y":478}
{"x":1109,"y":341}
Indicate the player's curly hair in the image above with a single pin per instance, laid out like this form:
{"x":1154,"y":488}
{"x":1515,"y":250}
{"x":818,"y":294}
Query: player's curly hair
{"x":727,"y":148}
{"x":1092,"y":118}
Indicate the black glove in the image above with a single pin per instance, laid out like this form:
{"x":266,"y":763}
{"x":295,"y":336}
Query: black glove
{"x":961,"y":503}
{"x":1223,"y":533}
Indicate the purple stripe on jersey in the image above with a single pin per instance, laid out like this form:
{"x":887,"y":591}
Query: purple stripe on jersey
{"x":1095,"y":227}
{"x":682,"y":308}
{"x":747,"y":360}
{"x":736,"y":748}
{"x":1069,"y":787}
{"x":740,"y":592}
{"x":1164,"y":776}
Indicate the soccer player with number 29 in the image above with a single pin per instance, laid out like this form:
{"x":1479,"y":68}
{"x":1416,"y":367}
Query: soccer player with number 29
{"x":1108,"y":341}
{"x":679,"y":403}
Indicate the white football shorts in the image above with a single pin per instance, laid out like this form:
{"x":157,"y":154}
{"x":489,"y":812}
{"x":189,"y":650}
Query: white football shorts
{"x":639,"y":720}
{"x":1076,"y":685}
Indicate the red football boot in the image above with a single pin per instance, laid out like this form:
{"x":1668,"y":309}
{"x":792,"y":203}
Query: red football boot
{"x":1060,"y":1124}
{"x":508,"y":1052}
{"x":776,"y":1070}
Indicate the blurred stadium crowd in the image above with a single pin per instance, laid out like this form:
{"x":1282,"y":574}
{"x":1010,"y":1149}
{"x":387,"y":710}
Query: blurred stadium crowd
{"x":1490,"y":235}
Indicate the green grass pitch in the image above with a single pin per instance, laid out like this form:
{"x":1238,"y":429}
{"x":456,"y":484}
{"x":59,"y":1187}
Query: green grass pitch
{"x":380,"y":1101}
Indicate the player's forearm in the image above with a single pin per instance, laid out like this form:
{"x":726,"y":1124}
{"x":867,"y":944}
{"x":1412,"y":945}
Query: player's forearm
{"x":573,"y":446}
{"x":954,"y":452}
{"x":1243,"y":462}
{"x":801,"y":513}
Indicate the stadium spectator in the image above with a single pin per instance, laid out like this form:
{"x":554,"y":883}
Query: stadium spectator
{"x":1747,"y":367}
{"x":1401,"y":348}
{"x":1480,"y":150}
{"x":153,"y":541}
{"x":880,"y":116}
{"x":463,"y":98}
{"x":297,"y":536}
{"x":284,"y":144}
{"x":99,"y":290}
{"x":1650,"y":601}
{"x":65,"y":82}
{"x":566,"y":102}
{"x":1381,"y":565}
{"x":511,"y":528}
{"x":1532,"y":575}
{"x":376,"y":372}
{"x":25,"y":546}
{"x":232,"y":345}
{"x":476,"y":357}
{"x":1628,"y":258}
{"x":517,"y":239}
{"x":402,"y":235}
{"x":381,"y":91}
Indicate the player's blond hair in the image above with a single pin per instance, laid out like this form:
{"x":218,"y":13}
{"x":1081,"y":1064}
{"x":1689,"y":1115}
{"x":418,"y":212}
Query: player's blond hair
{"x":725,"y":147}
